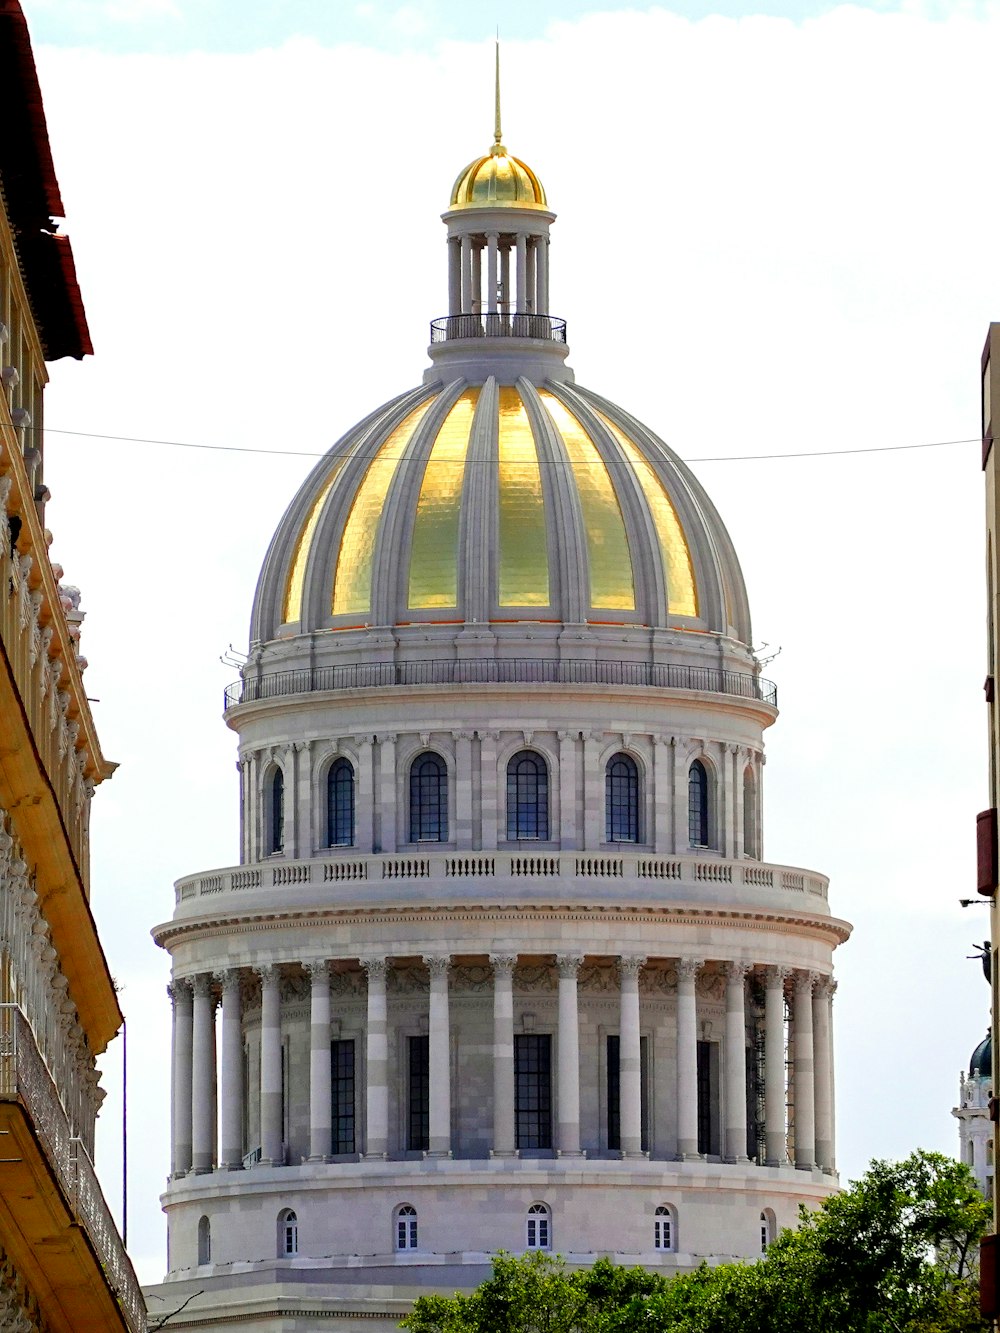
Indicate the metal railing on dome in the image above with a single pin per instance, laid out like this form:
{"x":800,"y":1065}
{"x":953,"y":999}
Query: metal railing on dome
{"x":544,"y":328}
{"x":501,"y":671}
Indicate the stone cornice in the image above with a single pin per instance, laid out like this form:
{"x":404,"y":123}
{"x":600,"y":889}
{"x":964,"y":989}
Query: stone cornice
{"x":829,"y":931}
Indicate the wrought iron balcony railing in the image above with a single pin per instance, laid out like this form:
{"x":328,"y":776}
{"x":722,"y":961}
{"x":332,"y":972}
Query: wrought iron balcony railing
{"x":501,"y":671}
{"x":25,"y":1079}
{"x":542,"y":328}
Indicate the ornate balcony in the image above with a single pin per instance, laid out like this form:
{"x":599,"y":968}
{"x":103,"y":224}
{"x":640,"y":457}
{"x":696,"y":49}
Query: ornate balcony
{"x":501,"y":671}
{"x":88,"y":1267}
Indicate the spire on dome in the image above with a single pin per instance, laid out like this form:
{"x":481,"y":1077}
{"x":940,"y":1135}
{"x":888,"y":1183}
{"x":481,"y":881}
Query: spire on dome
{"x":498,"y":149}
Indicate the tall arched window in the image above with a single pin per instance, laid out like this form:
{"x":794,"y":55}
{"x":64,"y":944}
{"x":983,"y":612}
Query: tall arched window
{"x":664,"y":1235}
{"x":429,"y":799}
{"x":749,"y":815}
{"x":204,"y":1241}
{"x":276,"y":812}
{"x":406,"y":1227}
{"x":340,"y":804}
{"x":698,"y":823}
{"x":767,"y":1229}
{"x":538,"y":1231}
{"x":621,"y":799}
{"x":288,"y":1233}
{"x":527,"y":797}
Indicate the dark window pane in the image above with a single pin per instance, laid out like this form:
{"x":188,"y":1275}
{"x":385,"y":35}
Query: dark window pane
{"x":429,"y":800}
{"x":277,"y":811}
{"x":614,"y":1093}
{"x":342,"y":1057}
{"x":527,"y":797}
{"x":418,"y":1124}
{"x":698,"y":805}
{"x":533,"y":1090}
{"x":340,"y":804}
{"x":621,"y":802}
{"x":708,"y":1092}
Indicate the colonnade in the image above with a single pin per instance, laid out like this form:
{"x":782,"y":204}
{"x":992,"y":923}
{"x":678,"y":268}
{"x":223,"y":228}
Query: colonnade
{"x":523,"y":291}
{"x":208,"y":1092}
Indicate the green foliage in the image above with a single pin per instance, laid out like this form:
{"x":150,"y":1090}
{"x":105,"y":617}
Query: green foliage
{"x":894,"y":1253}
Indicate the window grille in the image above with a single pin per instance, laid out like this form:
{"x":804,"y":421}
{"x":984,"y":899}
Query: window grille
{"x":538,"y":1227}
{"x":698,"y":829}
{"x":340,"y":804}
{"x":527,"y":798}
{"x":429,"y":799}
{"x":406,"y":1228}
{"x":533,"y":1090}
{"x":621,"y":800}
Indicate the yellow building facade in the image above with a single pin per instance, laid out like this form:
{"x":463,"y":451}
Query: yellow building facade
{"x":62,"y":1264}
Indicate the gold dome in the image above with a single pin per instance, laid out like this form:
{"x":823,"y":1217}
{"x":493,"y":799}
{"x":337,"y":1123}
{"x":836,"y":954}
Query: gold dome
{"x":498,"y":180}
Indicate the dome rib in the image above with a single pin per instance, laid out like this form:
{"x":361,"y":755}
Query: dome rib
{"x":478,"y":525}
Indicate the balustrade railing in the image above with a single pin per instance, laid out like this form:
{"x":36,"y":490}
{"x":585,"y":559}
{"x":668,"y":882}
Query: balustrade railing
{"x":637,"y":866}
{"x":25,"y":1079}
{"x":498,"y":324}
{"x":501,"y":671}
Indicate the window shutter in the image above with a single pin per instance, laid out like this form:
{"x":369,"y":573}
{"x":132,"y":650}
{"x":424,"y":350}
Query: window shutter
{"x":986,"y":851}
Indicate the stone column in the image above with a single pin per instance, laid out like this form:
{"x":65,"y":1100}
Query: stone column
{"x":231,"y":1067}
{"x":805,"y":1091}
{"x":271,"y":1127}
{"x":454,"y":276}
{"x":630,"y":1056}
{"x":491,"y":272}
{"x":477,"y":279}
{"x":463,"y":788}
{"x":823,"y":1039}
{"x":320,"y":1066}
{"x":246,"y":853}
{"x":682,"y":836}
{"x":181,"y":1000}
{"x":304,"y":836}
{"x":488,"y":785}
{"x":202,"y":1074}
{"x":776,"y":1147}
{"x":522,"y":273}
{"x":660,"y":834}
{"x":593,"y":792}
{"x":568,"y":836}
{"x":543,"y":276}
{"x":439,"y":1059}
{"x":504,"y":1136}
{"x":531,"y":280}
{"x":736,"y":1062}
{"x":387,"y":793}
{"x":466,"y":275}
{"x":377,"y":1060}
{"x":568,"y":1142}
{"x":505,"y":278}
{"x":364,"y":808}
{"x":739,"y":836}
{"x":687,"y":1058}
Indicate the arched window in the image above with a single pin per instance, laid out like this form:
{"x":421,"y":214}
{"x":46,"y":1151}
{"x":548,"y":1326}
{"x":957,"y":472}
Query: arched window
{"x":767,"y":1227}
{"x":539,"y":1230}
{"x":749,"y":815}
{"x":340,"y":804}
{"x":621,"y":799}
{"x":204,"y":1241}
{"x":664,"y":1234}
{"x":527,"y":797}
{"x":288,"y":1233}
{"x":276,"y":812}
{"x":698,"y":825}
{"x":406,"y":1227}
{"x":429,"y":799}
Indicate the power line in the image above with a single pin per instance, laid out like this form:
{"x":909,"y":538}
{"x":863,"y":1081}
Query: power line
{"x":704,"y":458}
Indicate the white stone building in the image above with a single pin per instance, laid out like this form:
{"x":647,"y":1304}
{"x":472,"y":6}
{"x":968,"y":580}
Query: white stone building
{"x":975,"y":1132}
{"x":502,"y":965}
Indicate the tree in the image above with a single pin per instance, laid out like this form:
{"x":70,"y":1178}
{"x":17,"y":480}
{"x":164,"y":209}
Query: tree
{"x":896,"y":1252}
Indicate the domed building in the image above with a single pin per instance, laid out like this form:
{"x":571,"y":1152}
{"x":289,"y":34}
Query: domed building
{"x":975,"y":1137}
{"x":502,"y":965}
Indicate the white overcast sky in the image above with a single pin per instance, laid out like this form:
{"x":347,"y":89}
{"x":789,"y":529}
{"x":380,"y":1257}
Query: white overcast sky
{"x":776,"y":234}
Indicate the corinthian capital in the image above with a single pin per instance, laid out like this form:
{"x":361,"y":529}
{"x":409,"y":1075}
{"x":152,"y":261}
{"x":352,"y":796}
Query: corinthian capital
{"x":569,"y":965}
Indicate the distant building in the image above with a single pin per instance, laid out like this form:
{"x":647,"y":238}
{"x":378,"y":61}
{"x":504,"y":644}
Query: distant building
{"x":975,"y":1133}
{"x":501,"y":965}
{"x":62,"y":1264}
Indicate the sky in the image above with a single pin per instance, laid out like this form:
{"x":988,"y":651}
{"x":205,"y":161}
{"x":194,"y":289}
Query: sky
{"x":775,"y":236}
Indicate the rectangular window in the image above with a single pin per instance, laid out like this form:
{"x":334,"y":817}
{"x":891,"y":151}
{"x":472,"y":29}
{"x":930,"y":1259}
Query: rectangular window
{"x":533,"y":1090}
{"x":708,"y":1097}
{"x":614,"y":1093}
{"x":418,"y":1125}
{"x":342,"y":1060}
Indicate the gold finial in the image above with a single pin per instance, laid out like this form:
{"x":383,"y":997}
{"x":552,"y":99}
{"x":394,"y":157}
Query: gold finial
{"x":498,"y":149}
